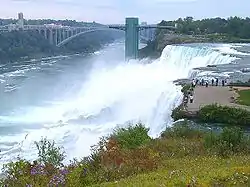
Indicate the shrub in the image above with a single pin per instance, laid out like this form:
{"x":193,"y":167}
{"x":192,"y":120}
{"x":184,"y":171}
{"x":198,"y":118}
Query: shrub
{"x":80,"y":174}
{"x":223,"y":114}
{"x":131,"y":137}
{"x":45,"y":171}
{"x":48,"y":153}
{"x":178,"y":113}
{"x":181,"y":129}
{"x":23,"y":173}
{"x":186,"y":88}
{"x":230,"y":141}
{"x":177,"y":147}
{"x":13,"y":172}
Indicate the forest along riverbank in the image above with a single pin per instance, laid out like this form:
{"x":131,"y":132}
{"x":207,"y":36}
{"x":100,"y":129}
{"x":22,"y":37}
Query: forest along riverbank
{"x":26,"y":45}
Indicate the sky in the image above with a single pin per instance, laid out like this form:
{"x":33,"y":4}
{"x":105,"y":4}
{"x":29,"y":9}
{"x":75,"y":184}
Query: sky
{"x":115,"y":11}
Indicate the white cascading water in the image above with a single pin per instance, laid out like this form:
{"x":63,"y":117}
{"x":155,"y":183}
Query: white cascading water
{"x":133,"y":91}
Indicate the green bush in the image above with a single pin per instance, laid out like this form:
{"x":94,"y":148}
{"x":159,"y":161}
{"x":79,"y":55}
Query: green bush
{"x":178,"y":113}
{"x":223,"y":114}
{"x":186,"y":88}
{"x":127,"y":152}
{"x":48,"y":153}
{"x":13,"y":172}
{"x":131,"y":137}
{"x":228,"y":142}
{"x":181,"y":129}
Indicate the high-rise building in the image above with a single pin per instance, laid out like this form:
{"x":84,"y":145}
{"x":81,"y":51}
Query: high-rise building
{"x":20,"y":15}
{"x":20,"y":22}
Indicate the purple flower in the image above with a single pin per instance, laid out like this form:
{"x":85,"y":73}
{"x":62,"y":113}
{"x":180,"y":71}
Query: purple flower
{"x":38,"y":170}
{"x":28,"y":185}
{"x":64,"y":172}
{"x":57,"y":180}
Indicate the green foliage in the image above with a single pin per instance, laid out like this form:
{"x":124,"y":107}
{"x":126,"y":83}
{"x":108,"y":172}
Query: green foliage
{"x":184,"y":153}
{"x":48,"y":153}
{"x":233,"y":30}
{"x":193,"y":171}
{"x":17,"y":44}
{"x":223,"y":114}
{"x":244,"y":97}
{"x":13,"y":170}
{"x":181,"y":130}
{"x":178,"y":113}
{"x":131,"y":137}
{"x":230,"y":141}
{"x":186,"y":88}
{"x":234,"y":27}
{"x":26,"y":44}
{"x":22,"y":173}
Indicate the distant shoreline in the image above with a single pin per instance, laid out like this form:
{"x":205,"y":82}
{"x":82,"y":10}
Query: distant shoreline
{"x":154,"y":48}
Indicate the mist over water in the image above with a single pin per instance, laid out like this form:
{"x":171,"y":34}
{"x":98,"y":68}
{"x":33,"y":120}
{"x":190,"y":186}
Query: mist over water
{"x":76,"y":100}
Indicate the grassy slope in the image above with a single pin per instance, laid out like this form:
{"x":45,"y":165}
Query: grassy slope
{"x":244,"y":97}
{"x":200,"y":171}
{"x":182,"y":156}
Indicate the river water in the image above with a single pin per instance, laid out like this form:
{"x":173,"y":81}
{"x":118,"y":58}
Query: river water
{"x":76,"y":100}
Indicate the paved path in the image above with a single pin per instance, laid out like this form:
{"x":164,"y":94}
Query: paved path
{"x":213,"y":94}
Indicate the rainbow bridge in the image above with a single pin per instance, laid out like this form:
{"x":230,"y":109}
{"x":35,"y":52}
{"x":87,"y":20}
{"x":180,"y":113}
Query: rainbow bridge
{"x":60,"y":35}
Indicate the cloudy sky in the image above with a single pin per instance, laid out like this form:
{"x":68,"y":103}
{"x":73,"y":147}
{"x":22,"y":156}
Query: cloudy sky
{"x":114,"y":11}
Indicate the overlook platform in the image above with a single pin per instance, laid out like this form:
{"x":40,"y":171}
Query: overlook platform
{"x":214,"y":94}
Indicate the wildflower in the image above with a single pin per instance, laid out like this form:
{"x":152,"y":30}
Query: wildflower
{"x":38,"y":170}
{"x":60,"y":179}
{"x":64,"y":172}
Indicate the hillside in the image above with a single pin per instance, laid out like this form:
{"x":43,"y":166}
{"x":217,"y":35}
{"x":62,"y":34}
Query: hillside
{"x":214,"y":30}
{"x":18,"y":45}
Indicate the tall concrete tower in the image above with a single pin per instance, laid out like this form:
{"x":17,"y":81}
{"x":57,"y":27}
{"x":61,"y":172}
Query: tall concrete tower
{"x":132,"y":38}
{"x":20,"y":22}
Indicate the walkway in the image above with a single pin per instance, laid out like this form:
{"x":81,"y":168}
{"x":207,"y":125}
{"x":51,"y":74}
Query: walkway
{"x":211,"y":95}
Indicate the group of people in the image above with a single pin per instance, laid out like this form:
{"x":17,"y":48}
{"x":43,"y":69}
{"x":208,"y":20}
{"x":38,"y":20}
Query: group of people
{"x":214,"y":82}
{"x":190,"y":94}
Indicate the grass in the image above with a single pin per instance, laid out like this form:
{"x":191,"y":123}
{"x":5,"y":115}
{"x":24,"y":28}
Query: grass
{"x":244,"y":97}
{"x":193,"y":171}
{"x":182,"y":156}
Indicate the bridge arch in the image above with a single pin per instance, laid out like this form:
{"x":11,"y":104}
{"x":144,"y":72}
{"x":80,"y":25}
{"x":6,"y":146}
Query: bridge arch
{"x":90,"y":31}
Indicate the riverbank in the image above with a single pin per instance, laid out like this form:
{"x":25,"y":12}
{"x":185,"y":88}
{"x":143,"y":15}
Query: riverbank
{"x":215,"y":105}
{"x":154,"y":48}
{"x":26,"y":45}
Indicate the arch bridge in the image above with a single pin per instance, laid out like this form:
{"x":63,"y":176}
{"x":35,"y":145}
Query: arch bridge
{"x":60,"y":35}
